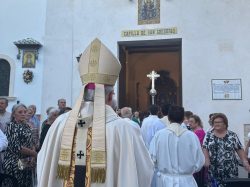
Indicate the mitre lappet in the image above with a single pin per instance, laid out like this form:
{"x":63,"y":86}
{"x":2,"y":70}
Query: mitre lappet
{"x":98,"y":67}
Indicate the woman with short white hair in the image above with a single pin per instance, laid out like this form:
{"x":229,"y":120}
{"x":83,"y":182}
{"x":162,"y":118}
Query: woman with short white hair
{"x":52,"y":115}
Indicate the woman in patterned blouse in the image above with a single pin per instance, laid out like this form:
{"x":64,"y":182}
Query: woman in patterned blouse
{"x":19,"y":136}
{"x":220,"y":145}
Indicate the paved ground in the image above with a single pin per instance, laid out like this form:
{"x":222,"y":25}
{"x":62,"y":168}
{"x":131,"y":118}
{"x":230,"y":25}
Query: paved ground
{"x":242,"y":172}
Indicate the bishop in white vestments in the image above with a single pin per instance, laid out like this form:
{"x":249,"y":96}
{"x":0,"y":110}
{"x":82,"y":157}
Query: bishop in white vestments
{"x":176,"y":153}
{"x":91,"y":146}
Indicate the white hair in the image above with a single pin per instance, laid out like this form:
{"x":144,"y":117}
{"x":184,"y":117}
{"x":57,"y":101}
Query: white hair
{"x":126,"y":112}
{"x":14,"y":108}
{"x":52,"y":111}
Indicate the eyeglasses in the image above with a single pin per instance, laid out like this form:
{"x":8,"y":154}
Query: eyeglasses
{"x":218,"y":122}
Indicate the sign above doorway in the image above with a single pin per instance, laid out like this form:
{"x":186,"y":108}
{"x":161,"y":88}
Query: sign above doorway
{"x":149,"y":32}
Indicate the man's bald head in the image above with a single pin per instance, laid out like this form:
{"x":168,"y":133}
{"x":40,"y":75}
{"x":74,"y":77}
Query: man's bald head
{"x":126,"y":112}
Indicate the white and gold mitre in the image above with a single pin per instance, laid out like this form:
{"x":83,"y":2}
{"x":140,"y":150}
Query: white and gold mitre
{"x":98,"y":64}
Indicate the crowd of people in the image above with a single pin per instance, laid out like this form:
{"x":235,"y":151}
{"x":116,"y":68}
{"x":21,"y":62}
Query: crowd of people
{"x":222,"y":149}
{"x":21,"y":137}
{"x":92,"y":145}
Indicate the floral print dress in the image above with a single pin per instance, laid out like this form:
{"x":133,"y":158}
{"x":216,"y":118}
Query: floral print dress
{"x":18,"y":135}
{"x":223,"y":161}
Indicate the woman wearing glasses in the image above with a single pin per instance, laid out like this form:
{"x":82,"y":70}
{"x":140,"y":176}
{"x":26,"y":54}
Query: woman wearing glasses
{"x":219,"y":146}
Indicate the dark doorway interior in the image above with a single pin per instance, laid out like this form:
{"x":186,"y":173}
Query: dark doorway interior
{"x":4,"y":77}
{"x":139,"y":58}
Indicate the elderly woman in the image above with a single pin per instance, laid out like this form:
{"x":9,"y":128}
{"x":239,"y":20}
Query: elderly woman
{"x":19,"y":149}
{"x":219,"y":147}
{"x":52,"y":115}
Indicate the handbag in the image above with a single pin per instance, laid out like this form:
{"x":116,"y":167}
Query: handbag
{"x":24,"y":164}
{"x":213,"y":182}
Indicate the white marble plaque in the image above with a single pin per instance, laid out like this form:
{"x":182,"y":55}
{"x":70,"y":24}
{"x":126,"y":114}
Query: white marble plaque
{"x":226,"y":89}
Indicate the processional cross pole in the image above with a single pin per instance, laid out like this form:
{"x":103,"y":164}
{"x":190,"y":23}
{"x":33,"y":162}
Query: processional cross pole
{"x":153,"y":76}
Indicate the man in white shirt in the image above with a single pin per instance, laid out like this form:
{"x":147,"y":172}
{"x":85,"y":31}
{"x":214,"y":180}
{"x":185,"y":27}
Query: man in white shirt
{"x":151,"y":125}
{"x":176,"y":152}
{"x":5,"y":118}
{"x":3,"y":146}
{"x":4,"y":115}
{"x":3,"y":141}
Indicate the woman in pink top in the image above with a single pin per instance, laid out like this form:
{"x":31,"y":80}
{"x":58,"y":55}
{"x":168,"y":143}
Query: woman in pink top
{"x":197,"y":127}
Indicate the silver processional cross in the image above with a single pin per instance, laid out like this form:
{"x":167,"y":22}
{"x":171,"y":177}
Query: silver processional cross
{"x":153,"y":76}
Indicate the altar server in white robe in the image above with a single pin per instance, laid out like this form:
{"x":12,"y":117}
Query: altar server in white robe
{"x":164,"y":111}
{"x":176,"y":153}
{"x":151,"y":125}
{"x":91,"y":146}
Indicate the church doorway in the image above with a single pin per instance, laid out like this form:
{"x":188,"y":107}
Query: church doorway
{"x":139,"y":58}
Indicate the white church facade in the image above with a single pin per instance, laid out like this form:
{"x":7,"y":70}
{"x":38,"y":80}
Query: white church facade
{"x":212,"y":38}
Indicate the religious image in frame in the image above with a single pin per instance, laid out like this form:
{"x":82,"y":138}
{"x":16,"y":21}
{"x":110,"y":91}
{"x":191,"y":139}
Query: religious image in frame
{"x":29,"y":59}
{"x":148,"y":12}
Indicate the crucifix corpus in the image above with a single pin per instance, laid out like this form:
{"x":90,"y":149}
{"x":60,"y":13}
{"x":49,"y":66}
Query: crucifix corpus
{"x":153,"y":76}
